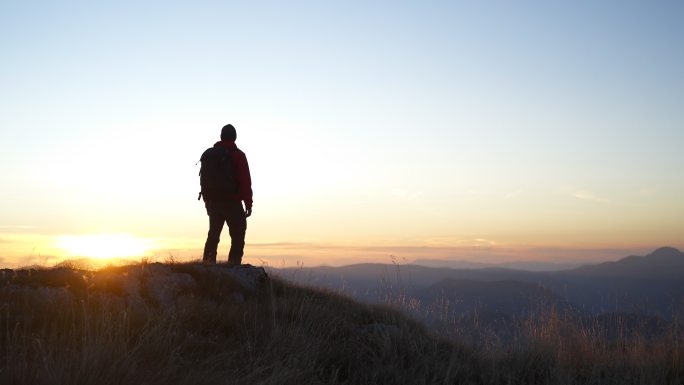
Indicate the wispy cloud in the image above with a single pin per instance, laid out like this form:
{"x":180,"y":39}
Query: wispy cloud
{"x":458,"y":242}
{"x":587,"y":196}
{"x":474,"y":250}
{"x":479,"y":250}
{"x":17,"y":227}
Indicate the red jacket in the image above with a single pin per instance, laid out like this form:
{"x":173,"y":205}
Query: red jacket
{"x":241,"y":172}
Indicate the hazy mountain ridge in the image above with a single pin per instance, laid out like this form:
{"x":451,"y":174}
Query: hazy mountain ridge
{"x":516,"y":265}
{"x":648,"y":285}
{"x":665,"y":261}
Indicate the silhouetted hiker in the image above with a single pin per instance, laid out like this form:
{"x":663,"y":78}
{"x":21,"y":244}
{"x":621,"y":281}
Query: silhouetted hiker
{"x":226,"y":183}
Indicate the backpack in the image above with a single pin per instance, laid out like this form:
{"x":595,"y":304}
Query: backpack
{"x":216,"y":174}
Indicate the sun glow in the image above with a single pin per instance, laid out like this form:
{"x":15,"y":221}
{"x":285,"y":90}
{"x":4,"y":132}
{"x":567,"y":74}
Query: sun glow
{"x":103,"y":246}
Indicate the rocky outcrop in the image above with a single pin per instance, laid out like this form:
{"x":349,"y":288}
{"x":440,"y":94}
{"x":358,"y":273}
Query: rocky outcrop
{"x":156,"y":284}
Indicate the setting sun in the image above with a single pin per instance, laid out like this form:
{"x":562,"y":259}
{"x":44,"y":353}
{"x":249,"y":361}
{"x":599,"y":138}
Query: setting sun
{"x":103,"y":246}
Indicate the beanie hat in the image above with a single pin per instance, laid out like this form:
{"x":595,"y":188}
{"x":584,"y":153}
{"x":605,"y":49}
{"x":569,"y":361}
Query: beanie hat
{"x":228,"y":132}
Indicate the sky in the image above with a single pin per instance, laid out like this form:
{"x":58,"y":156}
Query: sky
{"x":474,"y":130}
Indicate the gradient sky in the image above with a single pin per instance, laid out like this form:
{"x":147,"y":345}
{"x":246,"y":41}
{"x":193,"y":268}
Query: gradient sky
{"x":464,"y":129}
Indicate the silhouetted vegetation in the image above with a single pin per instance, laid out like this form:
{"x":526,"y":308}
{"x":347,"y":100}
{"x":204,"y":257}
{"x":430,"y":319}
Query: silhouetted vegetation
{"x":193,"y":324}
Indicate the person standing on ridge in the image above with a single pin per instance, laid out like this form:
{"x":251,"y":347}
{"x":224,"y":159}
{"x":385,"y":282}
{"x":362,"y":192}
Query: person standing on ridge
{"x":226,"y":183}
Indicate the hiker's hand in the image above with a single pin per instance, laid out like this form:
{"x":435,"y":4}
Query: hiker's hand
{"x":248,"y":212}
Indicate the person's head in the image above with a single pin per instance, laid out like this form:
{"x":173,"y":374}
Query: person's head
{"x":228,"y":133}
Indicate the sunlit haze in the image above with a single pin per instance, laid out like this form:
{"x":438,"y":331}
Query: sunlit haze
{"x":375,"y":131}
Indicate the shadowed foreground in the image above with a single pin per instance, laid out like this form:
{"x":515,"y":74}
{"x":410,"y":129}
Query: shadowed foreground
{"x":196,"y":324}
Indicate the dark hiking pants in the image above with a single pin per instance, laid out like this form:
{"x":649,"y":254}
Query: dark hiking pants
{"x":232,"y":214}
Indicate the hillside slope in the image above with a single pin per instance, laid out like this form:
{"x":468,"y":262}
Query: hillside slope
{"x":196,"y":324}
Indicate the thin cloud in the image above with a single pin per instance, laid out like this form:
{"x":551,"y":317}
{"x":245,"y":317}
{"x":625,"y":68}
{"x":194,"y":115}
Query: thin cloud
{"x":17,"y":227}
{"x":587,"y":196}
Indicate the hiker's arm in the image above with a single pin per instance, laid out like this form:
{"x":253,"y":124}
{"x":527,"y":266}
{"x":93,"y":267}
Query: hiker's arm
{"x":244,"y":181}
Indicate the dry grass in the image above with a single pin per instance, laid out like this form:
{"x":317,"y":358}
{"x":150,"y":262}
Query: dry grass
{"x":550,"y":347}
{"x":53,"y":330}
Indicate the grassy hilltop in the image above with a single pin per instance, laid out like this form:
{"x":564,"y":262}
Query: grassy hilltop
{"x":194,"y":324}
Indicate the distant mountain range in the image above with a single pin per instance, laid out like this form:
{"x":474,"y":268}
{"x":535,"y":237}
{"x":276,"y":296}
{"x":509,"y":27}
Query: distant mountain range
{"x":518,"y":265}
{"x":664,"y":262}
{"x":499,"y":297}
{"x":650,"y":285}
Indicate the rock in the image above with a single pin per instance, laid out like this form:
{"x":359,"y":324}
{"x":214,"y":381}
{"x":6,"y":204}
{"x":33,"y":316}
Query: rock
{"x":162,"y":286}
{"x":250,"y":277}
{"x":156,"y":284}
{"x":247,"y":279}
